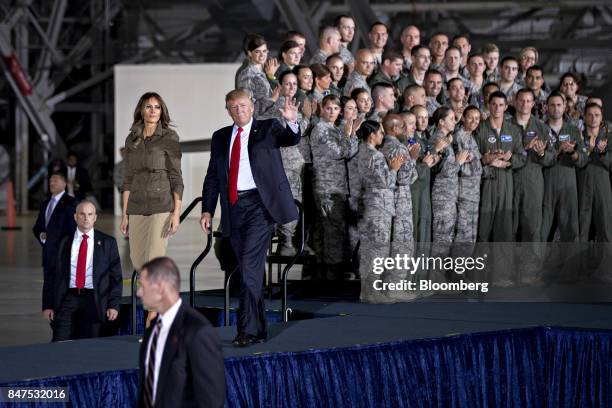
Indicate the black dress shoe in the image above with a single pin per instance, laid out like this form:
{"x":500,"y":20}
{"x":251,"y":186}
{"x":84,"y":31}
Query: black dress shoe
{"x":245,"y":339}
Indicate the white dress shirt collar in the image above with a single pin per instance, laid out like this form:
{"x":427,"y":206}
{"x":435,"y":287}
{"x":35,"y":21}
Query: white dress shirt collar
{"x":246,"y":129}
{"x":58,"y":196}
{"x":167,"y":319}
{"x":74,"y":257}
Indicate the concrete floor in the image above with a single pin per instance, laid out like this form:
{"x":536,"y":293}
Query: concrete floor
{"x":21,"y":276}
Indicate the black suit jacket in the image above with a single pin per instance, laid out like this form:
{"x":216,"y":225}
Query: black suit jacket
{"x":107,"y":278}
{"x":81,"y":176}
{"x":192,"y":371}
{"x":266,"y":165}
{"x":61,"y":225}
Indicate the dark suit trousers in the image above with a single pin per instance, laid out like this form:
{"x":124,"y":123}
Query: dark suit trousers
{"x":252,"y":228}
{"x":77,"y":318}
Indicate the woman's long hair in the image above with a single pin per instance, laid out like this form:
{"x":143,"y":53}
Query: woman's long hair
{"x":164,"y":117}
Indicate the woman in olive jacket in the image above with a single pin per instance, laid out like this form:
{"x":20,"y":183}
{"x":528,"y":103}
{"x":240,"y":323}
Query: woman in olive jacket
{"x":153,"y":186}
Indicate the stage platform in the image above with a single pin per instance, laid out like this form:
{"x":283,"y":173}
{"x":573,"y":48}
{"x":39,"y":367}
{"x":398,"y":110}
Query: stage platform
{"x":339,"y":326}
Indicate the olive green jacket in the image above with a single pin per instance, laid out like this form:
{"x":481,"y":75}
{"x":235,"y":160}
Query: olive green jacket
{"x":153,"y":171}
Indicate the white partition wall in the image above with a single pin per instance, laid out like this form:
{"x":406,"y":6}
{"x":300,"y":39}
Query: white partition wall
{"x":195,"y":97}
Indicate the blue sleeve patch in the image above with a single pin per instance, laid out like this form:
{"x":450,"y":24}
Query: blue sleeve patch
{"x":506,"y":138}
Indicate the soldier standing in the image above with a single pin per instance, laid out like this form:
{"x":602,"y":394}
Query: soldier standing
{"x":445,"y":190}
{"x":595,"y":195}
{"x":421,"y":188}
{"x":346,"y":26}
{"x":253,"y":78}
{"x":470,"y":174}
{"x":379,"y":205}
{"x":364,"y":65}
{"x":331,"y":146}
{"x":529,"y":180}
{"x":501,"y":147}
{"x":560,"y":190}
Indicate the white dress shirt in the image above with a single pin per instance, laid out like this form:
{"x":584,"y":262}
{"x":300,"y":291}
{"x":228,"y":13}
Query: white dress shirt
{"x":74,"y":257}
{"x":245,"y":176}
{"x":167,"y":320}
{"x":71,"y":174}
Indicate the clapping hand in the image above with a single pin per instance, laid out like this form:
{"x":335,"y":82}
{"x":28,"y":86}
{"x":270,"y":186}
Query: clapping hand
{"x":414,"y":151}
{"x":396,"y":162}
{"x":602,"y":145}
{"x":462,"y":157}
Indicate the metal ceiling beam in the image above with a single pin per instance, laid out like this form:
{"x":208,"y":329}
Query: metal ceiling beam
{"x":474,"y":6}
{"x":84,"y":44}
{"x":52,"y":35}
{"x":297,"y":16}
{"x":516,"y":19}
{"x":364,"y":17}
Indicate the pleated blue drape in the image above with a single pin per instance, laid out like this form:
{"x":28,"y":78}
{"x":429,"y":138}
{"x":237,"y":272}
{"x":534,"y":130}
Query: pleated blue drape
{"x":533,"y":367}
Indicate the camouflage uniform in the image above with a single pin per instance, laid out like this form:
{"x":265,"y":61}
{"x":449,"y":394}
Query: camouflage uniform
{"x":330,"y":147}
{"x":469,"y":188}
{"x":255,"y":80}
{"x":242,"y":67}
{"x":444,"y":193}
{"x":431,"y":105}
{"x":379,"y":208}
{"x":335,"y":90}
{"x":354,"y":200}
{"x":376,"y":116}
{"x":402,"y":222}
{"x":437,"y":67}
{"x":529,"y":183}
{"x":494,"y":76}
{"x":540,"y":103}
{"x":319,"y":58}
{"x":355,"y":80}
{"x":318,"y":96}
{"x":510,"y":92}
{"x":346,"y":55}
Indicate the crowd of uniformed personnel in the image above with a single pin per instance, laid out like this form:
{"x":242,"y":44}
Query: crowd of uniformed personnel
{"x":436,"y":142}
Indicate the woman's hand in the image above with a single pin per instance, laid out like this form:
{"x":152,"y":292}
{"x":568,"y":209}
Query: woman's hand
{"x":173,"y":225}
{"x":125,"y":225}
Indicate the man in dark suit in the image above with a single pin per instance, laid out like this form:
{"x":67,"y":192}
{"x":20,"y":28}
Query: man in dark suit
{"x":246,"y":172}
{"x":55,"y":221}
{"x":181,"y":363}
{"x":77,"y":178}
{"x":87,"y":282}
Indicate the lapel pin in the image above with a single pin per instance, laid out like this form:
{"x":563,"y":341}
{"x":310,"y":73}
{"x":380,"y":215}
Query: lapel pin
{"x":174,"y":339}
{"x":99,"y":243}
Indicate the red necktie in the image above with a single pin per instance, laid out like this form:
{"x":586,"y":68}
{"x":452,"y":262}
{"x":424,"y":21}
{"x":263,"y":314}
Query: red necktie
{"x":82,"y":264}
{"x":234,"y":165}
